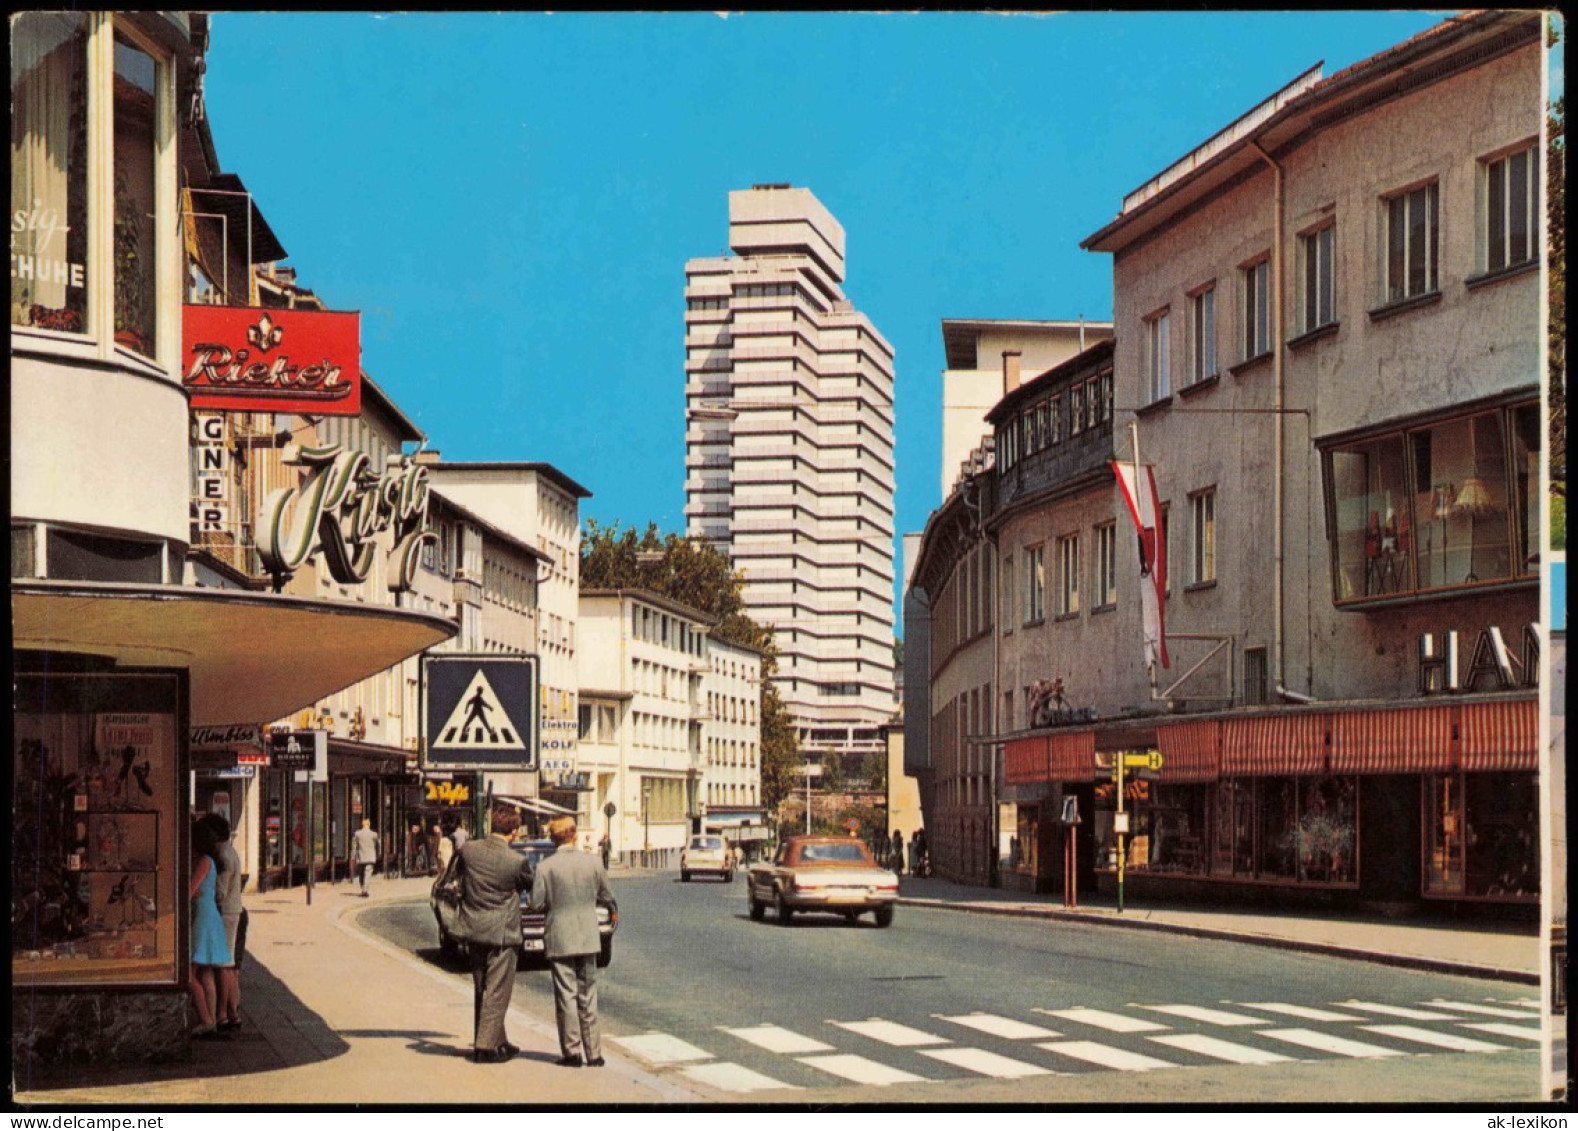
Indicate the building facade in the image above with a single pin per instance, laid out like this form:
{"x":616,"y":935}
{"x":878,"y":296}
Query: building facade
{"x":789,"y":458}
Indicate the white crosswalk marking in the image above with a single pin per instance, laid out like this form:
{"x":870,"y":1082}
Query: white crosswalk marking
{"x":1487,"y":1010}
{"x":733,"y":1078}
{"x":1431,"y":1037}
{"x":1307,"y":1012}
{"x":890,"y":1033}
{"x":1397,"y":1011}
{"x":1005,"y":1027}
{"x":1325,"y":1042}
{"x":1220,"y":1049}
{"x":1116,"y":1022}
{"x":861,"y":1070}
{"x":1106,"y":1055}
{"x":1201,"y":1013}
{"x":776,"y":1039}
{"x":986,"y":1063}
{"x":1525,"y":1002}
{"x":1502,"y":1029}
{"x":660,"y":1048}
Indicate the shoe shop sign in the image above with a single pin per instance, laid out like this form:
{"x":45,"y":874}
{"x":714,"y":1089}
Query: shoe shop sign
{"x":480,"y":712}
{"x":251,"y":359}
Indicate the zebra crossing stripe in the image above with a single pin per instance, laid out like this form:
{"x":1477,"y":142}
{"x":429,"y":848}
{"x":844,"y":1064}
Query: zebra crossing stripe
{"x":1307,"y":1012}
{"x":986,"y":1063}
{"x":728,"y":1077}
{"x":1220,"y":1049}
{"x":1106,"y":1055}
{"x":860,"y":1070}
{"x":1487,"y":1010}
{"x":1325,"y":1042}
{"x":890,"y":1033}
{"x":1453,"y":1041}
{"x":1502,"y":1029}
{"x":993,"y":1025}
{"x":776,"y":1039}
{"x":1116,"y":1022}
{"x":1209,"y":1016}
{"x":1396,"y":1011}
{"x":660,"y":1048}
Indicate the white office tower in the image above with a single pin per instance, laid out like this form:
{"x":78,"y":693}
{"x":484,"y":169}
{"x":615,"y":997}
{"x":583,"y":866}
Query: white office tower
{"x":789,"y":457}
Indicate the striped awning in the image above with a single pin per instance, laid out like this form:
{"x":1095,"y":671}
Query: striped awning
{"x":1501,"y":736}
{"x":1073,"y":756}
{"x":1410,"y":740}
{"x":1274,"y":744}
{"x":1191,"y":752}
{"x":1025,"y":760}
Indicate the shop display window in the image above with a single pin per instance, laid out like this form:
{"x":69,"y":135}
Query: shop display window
{"x":1481,"y":835}
{"x":1326,"y":835}
{"x":1177,"y":829}
{"x":94,"y":855}
{"x":1276,"y":819}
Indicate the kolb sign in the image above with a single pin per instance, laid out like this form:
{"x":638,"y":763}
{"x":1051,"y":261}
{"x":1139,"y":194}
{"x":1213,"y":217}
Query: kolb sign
{"x":480,"y":712}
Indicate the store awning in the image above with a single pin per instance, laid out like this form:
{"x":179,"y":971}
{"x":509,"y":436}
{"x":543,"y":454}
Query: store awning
{"x":252,"y":657}
{"x":1025,"y":760}
{"x":534,"y":805}
{"x":1191,"y":752}
{"x":1072,"y":757}
{"x":1501,"y":736}
{"x":1274,"y":745}
{"x":1413,"y":740}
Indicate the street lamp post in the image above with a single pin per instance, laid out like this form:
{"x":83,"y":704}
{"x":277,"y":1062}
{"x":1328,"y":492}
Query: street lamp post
{"x":646,"y":814}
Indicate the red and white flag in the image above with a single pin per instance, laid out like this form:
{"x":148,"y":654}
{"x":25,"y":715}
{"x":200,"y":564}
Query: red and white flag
{"x":1139,"y":491}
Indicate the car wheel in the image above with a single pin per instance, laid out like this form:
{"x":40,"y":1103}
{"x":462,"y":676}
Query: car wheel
{"x":606,"y":954}
{"x":684,"y":877}
{"x":758,"y":909}
{"x":885,"y":916}
{"x":785,"y":912}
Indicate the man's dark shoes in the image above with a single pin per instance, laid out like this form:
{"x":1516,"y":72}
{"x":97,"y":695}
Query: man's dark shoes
{"x":513,"y":1050}
{"x":596,"y":1062}
{"x":494,"y":1056}
{"x":569,"y":1062}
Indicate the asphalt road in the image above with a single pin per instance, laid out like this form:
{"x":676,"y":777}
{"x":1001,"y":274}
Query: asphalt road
{"x":950,"y":1007}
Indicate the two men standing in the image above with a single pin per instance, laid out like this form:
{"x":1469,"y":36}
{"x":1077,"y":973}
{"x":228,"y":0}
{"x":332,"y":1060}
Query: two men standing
{"x":569,"y":886}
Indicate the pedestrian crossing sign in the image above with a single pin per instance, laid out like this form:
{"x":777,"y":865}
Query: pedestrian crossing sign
{"x":480,"y":712}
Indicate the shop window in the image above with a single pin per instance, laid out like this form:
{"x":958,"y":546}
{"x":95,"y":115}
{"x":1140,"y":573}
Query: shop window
{"x":1176,"y":828}
{"x":1480,"y":835}
{"x":96,"y":897}
{"x":1326,"y":833}
{"x":88,"y":557}
{"x":1276,"y":813}
{"x":136,"y":85}
{"x":1233,"y":830}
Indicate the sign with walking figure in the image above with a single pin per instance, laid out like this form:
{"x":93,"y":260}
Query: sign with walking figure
{"x":480,"y":712}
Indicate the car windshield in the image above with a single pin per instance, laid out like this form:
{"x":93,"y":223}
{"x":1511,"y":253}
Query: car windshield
{"x":843,"y":853}
{"x":535,"y":850}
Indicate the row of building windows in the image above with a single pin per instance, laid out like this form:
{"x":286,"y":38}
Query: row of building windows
{"x":506,"y":584}
{"x":1408,"y":268}
{"x":731,"y":708}
{"x":729,"y":752}
{"x":660,"y":628}
{"x":1047,"y":423}
{"x":731,"y":793}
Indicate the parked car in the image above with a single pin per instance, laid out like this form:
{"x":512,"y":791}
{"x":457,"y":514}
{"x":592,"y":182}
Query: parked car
{"x":534,"y":925}
{"x":836,"y":874}
{"x":706,"y":855}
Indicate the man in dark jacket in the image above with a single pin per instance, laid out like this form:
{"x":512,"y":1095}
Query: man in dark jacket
{"x":492,"y":876}
{"x":569,"y":886}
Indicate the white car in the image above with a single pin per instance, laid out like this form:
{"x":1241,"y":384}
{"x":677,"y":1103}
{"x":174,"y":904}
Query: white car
{"x":707,"y":855}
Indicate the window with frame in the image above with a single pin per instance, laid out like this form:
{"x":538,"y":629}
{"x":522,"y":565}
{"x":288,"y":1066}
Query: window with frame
{"x":1068,"y":575}
{"x":1035,"y":584}
{"x":1202,"y":335}
{"x":1093,"y":402}
{"x":1076,"y":409}
{"x":1255,"y":279}
{"x":1107,"y":565}
{"x":1154,"y":361}
{"x":1317,"y":279}
{"x":1412,"y":239}
{"x":1510,"y":196}
{"x":1055,"y":421}
{"x":1202,"y":537}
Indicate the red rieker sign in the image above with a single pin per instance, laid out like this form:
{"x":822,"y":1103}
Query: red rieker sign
{"x":249,"y":359}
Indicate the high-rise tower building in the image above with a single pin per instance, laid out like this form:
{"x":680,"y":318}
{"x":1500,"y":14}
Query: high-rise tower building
{"x":789,"y":457}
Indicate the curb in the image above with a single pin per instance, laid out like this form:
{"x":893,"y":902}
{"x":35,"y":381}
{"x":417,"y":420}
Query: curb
{"x":1334,"y":950}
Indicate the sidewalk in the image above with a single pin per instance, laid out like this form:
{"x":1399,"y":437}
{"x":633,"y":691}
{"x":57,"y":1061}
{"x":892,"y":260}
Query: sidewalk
{"x":334,"y":1015}
{"x":1510,"y":952}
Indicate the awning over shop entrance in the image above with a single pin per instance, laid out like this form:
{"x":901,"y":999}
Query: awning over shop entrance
{"x":252,"y":657}
{"x":533,"y":805}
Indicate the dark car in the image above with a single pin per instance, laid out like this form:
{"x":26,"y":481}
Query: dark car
{"x":534,"y":925}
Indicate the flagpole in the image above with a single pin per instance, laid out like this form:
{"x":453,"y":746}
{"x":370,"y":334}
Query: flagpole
{"x":1134,"y":447}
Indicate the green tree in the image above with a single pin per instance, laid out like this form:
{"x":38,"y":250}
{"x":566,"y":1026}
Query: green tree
{"x":875,"y":769}
{"x":693,"y":572}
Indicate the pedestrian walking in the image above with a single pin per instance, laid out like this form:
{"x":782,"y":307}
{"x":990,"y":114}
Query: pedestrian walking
{"x":880,"y":848}
{"x":570,"y":885}
{"x":434,"y":836}
{"x":227,"y":1008}
{"x":896,"y":858}
{"x":459,"y":835}
{"x":364,"y":849}
{"x":605,"y":848}
{"x":209,"y":949}
{"x":914,"y":851}
{"x":492,"y":876}
{"x":446,"y":847}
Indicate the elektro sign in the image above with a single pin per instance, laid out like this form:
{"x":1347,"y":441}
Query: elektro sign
{"x":249,"y":359}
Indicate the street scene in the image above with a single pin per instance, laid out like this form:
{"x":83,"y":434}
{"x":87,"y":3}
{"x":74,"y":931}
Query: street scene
{"x":619,"y":559}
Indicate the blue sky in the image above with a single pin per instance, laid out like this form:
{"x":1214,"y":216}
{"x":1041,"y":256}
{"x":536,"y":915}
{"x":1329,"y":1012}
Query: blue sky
{"x":510,"y":199}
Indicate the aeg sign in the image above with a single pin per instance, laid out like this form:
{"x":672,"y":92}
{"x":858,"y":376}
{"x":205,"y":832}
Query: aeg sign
{"x":248,"y":359}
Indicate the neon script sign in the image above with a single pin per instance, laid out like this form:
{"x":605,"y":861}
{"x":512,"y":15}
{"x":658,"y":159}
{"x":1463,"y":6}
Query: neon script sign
{"x":340,"y":510}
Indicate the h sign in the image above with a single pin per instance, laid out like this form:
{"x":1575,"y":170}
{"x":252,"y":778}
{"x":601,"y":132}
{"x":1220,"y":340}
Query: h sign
{"x":480,"y":712}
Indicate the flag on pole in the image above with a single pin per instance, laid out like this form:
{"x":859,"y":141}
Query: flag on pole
{"x":1139,"y":491}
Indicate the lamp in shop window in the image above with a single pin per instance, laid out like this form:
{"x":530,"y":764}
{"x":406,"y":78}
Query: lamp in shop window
{"x":1441,"y":508}
{"x":1473,"y":499}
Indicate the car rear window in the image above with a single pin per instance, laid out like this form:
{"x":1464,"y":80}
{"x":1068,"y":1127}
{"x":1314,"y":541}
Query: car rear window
{"x":842,"y":853}
{"x":708,"y":842}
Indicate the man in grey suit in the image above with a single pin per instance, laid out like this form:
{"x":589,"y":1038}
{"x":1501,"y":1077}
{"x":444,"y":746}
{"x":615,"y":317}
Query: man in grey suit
{"x":365,"y":852}
{"x":492,"y":876}
{"x":569,"y":886}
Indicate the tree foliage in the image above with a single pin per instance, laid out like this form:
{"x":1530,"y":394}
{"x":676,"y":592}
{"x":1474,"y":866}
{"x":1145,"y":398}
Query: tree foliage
{"x":692,"y":572}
